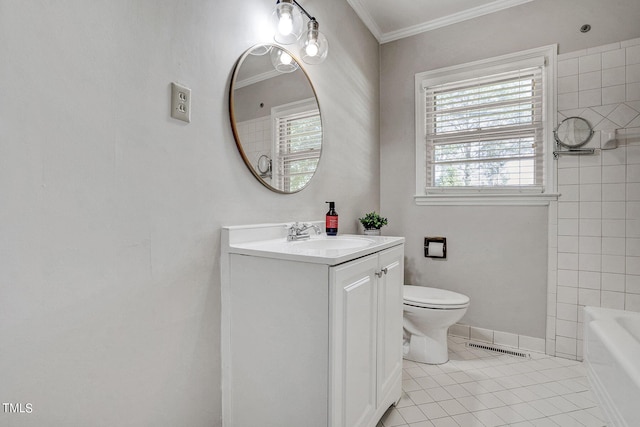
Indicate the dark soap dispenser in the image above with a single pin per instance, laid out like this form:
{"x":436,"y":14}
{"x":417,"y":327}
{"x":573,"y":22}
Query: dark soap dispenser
{"x":332,"y":220}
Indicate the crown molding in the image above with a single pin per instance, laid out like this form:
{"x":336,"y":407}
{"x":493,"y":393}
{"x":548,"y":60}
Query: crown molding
{"x":433,"y":24}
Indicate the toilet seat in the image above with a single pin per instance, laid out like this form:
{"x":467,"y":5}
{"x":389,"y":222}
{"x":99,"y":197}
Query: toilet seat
{"x":425,"y":297}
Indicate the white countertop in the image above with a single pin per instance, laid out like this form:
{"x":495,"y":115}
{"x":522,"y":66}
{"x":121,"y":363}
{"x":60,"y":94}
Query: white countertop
{"x":259,"y":241}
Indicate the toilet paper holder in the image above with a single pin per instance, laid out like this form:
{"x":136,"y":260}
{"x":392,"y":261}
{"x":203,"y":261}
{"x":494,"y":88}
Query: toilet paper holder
{"x":439,"y":240}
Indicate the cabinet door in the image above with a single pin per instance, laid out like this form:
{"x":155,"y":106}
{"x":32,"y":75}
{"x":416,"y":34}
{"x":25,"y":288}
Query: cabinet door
{"x":353,"y":342}
{"x":389,"y":339}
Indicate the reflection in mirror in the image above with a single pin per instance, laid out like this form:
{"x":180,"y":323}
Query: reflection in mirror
{"x":275,"y":118}
{"x":573,"y":132}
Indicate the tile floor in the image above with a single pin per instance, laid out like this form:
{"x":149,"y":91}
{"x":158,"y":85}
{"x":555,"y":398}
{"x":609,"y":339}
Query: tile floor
{"x":485,"y":388}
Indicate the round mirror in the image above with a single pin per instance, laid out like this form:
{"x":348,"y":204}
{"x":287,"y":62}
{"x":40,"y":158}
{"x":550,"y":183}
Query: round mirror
{"x":573,"y":132}
{"x":275,"y":118}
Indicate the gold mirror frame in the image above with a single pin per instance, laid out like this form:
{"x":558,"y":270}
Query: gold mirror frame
{"x":243,"y":63}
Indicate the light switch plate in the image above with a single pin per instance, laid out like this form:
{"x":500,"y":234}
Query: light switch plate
{"x":180,"y":102}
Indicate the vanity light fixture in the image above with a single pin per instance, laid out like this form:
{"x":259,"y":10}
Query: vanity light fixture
{"x":282,"y":61}
{"x":288,"y":19}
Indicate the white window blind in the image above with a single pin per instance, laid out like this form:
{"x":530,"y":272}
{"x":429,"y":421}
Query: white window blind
{"x":486,"y":131}
{"x":298,"y":139}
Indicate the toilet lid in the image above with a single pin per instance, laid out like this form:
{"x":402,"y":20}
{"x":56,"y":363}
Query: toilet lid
{"x":422,"y":296}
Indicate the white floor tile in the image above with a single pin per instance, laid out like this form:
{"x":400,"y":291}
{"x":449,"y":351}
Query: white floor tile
{"x":432,"y":410}
{"x":483,"y":388}
{"x":412,"y":414}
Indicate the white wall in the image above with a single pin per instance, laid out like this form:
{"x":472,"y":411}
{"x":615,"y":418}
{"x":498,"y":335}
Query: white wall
{"x":110,"y":210}
{"x":497,"y":255}
{"x":598,"y":212}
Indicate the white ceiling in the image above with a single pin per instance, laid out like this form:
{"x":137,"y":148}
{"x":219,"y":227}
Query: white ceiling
{"x":390,"y":20}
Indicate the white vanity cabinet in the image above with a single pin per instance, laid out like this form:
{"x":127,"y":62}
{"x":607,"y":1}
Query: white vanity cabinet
{"x":309,"y":338}
{"x":366,"y":336}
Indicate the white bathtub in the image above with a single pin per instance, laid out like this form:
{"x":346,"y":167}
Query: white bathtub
{"x":612,"y":360}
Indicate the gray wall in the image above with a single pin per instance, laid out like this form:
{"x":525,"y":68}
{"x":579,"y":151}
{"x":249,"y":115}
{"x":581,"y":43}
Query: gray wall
{"x":110,"y":211}
{"x":497,"y":255}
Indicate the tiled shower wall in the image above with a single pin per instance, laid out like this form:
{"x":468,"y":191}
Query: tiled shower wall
{"x":595,"y":225}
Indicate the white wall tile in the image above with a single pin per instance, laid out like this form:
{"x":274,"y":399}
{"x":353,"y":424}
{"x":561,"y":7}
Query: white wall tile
{"x":633,"y":247}
{"x":569,"y":193}
{"x":632,"y":73}
{"x":632,"y":284}
{"x":633,"y":55}
{"x":590,"y":227}
{"x":590,"y":297}
{"x":633,"y":154}
{"x":629,"y":43}
{"x":589,"y":262}
{"x":567,"y":346}
{"x":614,"y":192}
{"x":567,"y":227}
{"x":568,"y":176}
{"x":591,"y":192}
{"x":632,"y":302}
{"x":633,"y":265}
{"x":613,"y":282}
{"x":632,"y":227}
{"x":568,"y":209}
{"x":590,"y":245}
{"x":590,"y":175}
{"x":568,"y":278}
{"x":592,"y":80}
{"x":567,"y":295}
{"x":613,"y":59}
{"x":591,"y":210}
{"x":604,"y":48}
{"x":570,"y":84}
{"x":567,"y":101}
{"x":613,"y":228}
{"x":613,"y":246}
{"x":569,"y":244}
{"x":613,"y":300}
{"x":505,"y":338}
{"x":614,"y":94}
{"x":633,"y":210}
{"x":566,"y":328}
{"x":614,"y":76}
{"x":602,"y":85}
{"x":567,"y":261}
{"x":590,"y":98}
{"x":613,"y":210}
{"x":459,"y":330}
{"x":568,"y":67}
{"x":589,"y":279}
{"x":633,"y":91}
{"x":590,"y":63}
{"x":613,"y":264}
{"x":531,"y":343}
{"x":480,"y":334}
{"x":632,"y":191}
{"x":567,"y":311}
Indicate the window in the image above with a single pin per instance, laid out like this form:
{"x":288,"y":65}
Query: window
{"x":298,"y":139}
{"x":483,"y":130}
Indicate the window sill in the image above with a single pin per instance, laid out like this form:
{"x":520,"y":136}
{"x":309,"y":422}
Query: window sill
{"x":485,"y":199}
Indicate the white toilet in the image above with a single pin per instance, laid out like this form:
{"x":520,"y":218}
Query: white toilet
{"x":428,"y":314}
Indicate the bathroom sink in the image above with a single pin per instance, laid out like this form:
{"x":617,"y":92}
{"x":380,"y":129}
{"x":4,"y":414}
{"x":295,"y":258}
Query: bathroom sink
{"x":270,"y":241}
{"x":334,"y":243}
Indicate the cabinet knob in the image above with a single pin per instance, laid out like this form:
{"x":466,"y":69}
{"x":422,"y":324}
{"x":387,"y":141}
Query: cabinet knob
{"x":383,"y":271}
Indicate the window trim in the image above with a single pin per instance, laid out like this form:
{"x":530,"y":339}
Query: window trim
{"x":489,"y":196}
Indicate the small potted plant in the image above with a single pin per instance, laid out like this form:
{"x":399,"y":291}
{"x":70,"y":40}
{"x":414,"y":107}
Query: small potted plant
{"x":372,"y":223}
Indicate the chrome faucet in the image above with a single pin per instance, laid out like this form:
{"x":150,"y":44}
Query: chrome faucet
{"x":297,"y":231}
